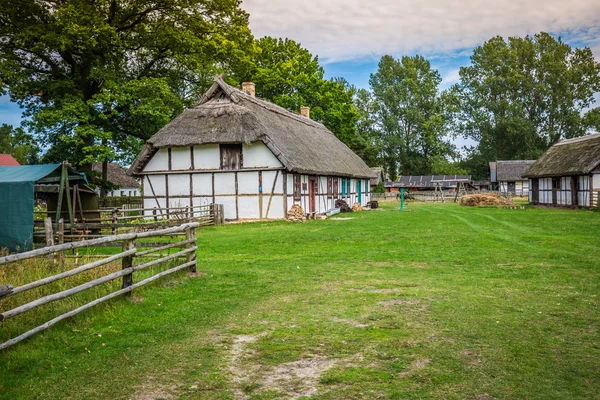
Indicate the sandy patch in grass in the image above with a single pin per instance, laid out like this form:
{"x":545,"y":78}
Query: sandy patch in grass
{"x":403,"y":302}
{"x":416,"y":365}
{"x":152,"y":390}
{"x":350,"y":322}
{"x":292,"y":380}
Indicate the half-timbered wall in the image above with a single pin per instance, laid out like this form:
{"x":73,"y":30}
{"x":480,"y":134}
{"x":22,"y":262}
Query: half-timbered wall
{"x":260,"y":189}
{"x":323,"y":201}
{"x":521,"y":187}
{"x":559,"y":191}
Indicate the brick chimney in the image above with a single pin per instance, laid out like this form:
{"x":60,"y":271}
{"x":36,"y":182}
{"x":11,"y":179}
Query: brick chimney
{"x":305,"y":111}
{"x":248,"y":88}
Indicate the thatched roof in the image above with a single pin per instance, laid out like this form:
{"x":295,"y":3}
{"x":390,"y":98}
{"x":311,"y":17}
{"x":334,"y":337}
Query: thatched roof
{"x":377,"y":176}
{"x":579,"y":156}
{"x":228,"y":115}
{"x":116,"y":175}
{"x":511,"y":170}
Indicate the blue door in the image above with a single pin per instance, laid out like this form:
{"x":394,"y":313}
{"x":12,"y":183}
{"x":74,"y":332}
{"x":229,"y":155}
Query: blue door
{"x":358,"y":191}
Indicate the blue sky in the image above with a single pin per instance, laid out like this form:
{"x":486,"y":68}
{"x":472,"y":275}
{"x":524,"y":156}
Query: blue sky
{"x":350,"y":36}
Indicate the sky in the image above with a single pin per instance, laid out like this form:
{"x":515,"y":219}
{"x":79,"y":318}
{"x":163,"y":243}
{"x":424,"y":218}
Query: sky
{"x":350,"y":36}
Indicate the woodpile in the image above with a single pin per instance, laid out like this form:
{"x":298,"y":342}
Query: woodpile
{"x":488,"y":199}
{"x":296,"y":214}
{"x":343,"y":206}
{"x":356,"y":207}
{"x":373,"y":204}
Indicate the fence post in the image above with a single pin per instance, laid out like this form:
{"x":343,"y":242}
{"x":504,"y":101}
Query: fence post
{"x":154,"y":213}
{"x":190,"y":233}
{"x":61,"y":240}
{"x":49,"y":236}
{"x":114,"y":221}
{"x":211,"y":213}
{"x":127,"y":262}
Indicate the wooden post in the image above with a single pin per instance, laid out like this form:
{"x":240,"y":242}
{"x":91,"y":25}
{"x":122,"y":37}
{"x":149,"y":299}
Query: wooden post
{"x":190,"y":233}
{"x":61,"y":240}
{"x":127,"y":262}
{"x":154,"y":213}
{"x":49,"y":236}
{"x":114,"y":221}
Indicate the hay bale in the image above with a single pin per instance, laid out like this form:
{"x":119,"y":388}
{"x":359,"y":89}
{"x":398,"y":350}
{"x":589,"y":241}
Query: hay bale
{"x":484,"y":199}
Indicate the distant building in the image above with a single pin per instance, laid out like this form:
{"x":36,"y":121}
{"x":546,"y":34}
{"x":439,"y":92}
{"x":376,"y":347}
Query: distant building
{"x":126,"y":185}
{"x":415,"y":183}
{"x":7,"y":160}
{"x":378,"y":177}
{"x":568,"y":174}
{"x":506,"y":176}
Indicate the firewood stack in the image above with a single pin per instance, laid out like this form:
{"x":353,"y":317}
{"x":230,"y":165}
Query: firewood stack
{"x":356,"y":207}
{"x":343,"y":206}
{"x":296,"y":214}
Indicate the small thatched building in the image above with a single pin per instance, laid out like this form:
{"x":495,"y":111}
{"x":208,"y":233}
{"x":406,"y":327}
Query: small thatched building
{"x":126,"y":186}
{"x":507,"y":176}
{"x":568,"y":174}
{"x":255,"y":158}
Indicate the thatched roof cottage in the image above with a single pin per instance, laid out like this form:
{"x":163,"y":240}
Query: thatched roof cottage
{"x":568,"y":174}
{"x":125,"y":185}
{"x":506,"y":176}
{"x":255,"y":158}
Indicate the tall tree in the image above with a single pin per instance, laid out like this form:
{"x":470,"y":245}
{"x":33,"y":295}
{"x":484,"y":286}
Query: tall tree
{"x":19,"y":144}
{"x":522,"y":95}
{"x":410,"y":115}
{"x":288,"y":75}
{"x":97,"y":76}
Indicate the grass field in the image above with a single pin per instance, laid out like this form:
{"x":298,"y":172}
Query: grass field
{"x":435,"y":302}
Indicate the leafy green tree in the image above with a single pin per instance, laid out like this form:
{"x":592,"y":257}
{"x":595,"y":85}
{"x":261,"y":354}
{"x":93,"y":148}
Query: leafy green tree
{"x":19,"y":144}
{"x":522,"y":95}
{"x":98,"y":77}
{"x":410,"y":115}
{"x":288,"y":75}
{"x":366,"y":127}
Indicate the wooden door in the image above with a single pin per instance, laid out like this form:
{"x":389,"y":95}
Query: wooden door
{"x":312,"y":192}
{"x":555,"y":189}
{"x":512,"y":187}
{"x":535,"y":190}
{"x":358,"y":191}
{"x":574,"y":190}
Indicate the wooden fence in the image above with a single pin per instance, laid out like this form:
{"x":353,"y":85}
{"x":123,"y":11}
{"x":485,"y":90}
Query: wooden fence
{"x":112,"y":219}
{"x":127,"y":256}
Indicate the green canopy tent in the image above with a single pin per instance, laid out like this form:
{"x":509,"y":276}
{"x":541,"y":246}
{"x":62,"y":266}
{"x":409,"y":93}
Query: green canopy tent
{"x":17,"y":199}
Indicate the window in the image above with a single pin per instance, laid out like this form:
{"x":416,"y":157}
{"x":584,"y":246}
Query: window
{"x":335,"y":188}
{"x":329,"y":187}
{"x":231,"y":156}
{"x":556,"y":183}
{"x":122,"y":193}
{"x":297,"y":183}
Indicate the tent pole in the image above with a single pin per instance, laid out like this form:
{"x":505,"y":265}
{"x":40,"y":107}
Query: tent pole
{"x":68,"y":193}
{"x":60,"y":195}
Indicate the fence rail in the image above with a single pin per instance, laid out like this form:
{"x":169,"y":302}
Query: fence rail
{"x":432,"y":196}
{"x":127,"y":256}
{"x":113,"y":219}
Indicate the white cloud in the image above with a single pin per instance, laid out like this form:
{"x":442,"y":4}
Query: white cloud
{"x":450,"y":78}
{"x":339,"y":30}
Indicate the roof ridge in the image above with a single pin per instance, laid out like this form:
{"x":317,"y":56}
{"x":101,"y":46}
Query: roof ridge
{"x":268,"y":105}
{"x":578,"y":139}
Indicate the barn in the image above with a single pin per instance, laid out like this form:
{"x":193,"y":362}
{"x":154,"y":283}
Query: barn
{"x":506,"y":176}
{"x":255,"y":158}
{"x":568,"y":174}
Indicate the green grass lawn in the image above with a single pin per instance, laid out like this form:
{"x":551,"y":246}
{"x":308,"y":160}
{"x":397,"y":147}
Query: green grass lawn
{"x":437,"y":301}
